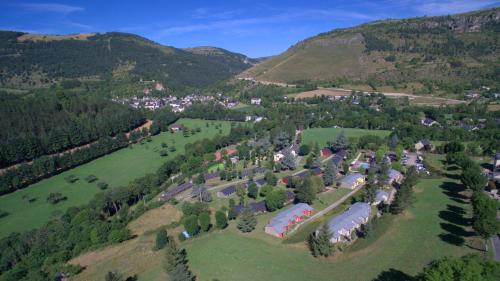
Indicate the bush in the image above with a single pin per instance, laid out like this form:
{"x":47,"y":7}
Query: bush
{"x":102,"y":185}
{"x":163,"y":153}
{"x":3,"y":213}
{"x":71,"y":179}
{"x":90,"y":178}
{"x":161,"y":239}
{"x":55,"y":198}
{"x":118,"y":235}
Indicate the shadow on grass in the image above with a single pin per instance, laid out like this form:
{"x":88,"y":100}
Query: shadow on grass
{"x":394,"y":275}
{"x":452,"y":239}
{"x":456,"y":230}
{"x":454,"y":218}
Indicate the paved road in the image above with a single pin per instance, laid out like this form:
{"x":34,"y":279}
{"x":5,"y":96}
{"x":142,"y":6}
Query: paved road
{"x":325,"y":210}
{"x":496,"y":247}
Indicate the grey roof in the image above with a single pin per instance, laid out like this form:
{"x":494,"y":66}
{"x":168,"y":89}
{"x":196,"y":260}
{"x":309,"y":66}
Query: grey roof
{"x":228,"y":190}
{"x":425,"y":142}
{"x":356,"y":214}
{"x":393,"y":174}
{"x":260,"y":182}
{"x":280,"y":221}
{"x":351,"y":178}
{"x":381,"y":195}
{"x":176,"y":190}
{"x":257,"y":207}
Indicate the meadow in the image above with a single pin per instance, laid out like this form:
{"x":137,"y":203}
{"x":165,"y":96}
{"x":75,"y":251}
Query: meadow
{"x":323,"y":135}
{"x":116,"y":169}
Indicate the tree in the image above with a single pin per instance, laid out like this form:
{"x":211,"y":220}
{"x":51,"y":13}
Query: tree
{"x":241,"y":190}
{"x":330,"y":173}
{"x":393,"y":141}
{"x":309,"y":162}
{"x":473,"y":178}
{"x":305,"y":193}
{"x":319,"y":242}
{"x":340,"y":142}
{"x":271,"y":178}
{"x":220,"y":219}
{"x":288,"y":161}
{"x":191,"y":224}
{"x":176,"y":263}
{"x":370,"y":194}
{"x":379,"y":154}
{"x":247,"y":221}
{"x":205,"y":222}
{"x":161,"y":239}
{"x":304,"y":150}
{"x":113,"y":276}
{"x":467,"y":268}
{"x":281,"y":140}
{"x":253,"y":191}
{"x":265,"y":190}
{"x":485,"y":221}
{"x":453,"y":147}
{"x":275,"y":199}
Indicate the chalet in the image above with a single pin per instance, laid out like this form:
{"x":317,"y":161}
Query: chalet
{"x":256,"y":207}
{"x":176,"y":127}
{"x":342,"y":226}
{"x":326,"y":152}
{"x":395,"y":176}
{"x":256,"y":101}
{"x":281,"y":223}
{"x":424,"y":144}
{"x":428,"y":122}
{"x":381,"y":196}
{"x":172,"y":192}
{"x":352,"y":181}
{"x":226,"y":192}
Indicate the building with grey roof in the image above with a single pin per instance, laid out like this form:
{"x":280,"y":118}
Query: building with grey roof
{"x":395,"y":176}
{"x":381,"y":196}
{"x":342,"y":226}
{"x":352,"y":181}
{"x":281,"y":223}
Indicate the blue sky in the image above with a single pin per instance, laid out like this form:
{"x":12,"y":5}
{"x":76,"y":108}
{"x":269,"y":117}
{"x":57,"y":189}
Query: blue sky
{"x":255,"y":28}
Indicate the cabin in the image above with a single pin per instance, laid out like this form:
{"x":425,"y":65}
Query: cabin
{"x":381,"y":196}
{"x":226,"y":192}
{"x":172,"y":192}
{"x":395,"y":177}
{"x":256,"y":207}
{"x":342,"y":226}
{"x":428,"y":122}
{"x":352,"y":181}
{"x":280,"y":224}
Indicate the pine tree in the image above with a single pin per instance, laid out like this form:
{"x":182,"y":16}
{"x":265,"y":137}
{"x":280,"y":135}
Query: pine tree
{"x":305,"y":193}
{"x":176,"y":263}
{"x":288,"y":160}
{"x":161,"y":239}
{"x":341,"y":142}
{"x":329,"y":174}
{"x":205,"y":223}
{"x":112,"y":276}
{"x":247,"y":220}
{"x":220,"y":219}
{"x":320,"y":244}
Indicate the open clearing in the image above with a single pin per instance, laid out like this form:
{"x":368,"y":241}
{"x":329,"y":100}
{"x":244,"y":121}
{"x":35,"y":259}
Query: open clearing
{"x":116,"y":169}
{"x":323,"y":135}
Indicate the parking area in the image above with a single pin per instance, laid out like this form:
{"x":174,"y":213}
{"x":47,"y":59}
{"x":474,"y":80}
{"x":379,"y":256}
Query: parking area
{"x":414,"y":159}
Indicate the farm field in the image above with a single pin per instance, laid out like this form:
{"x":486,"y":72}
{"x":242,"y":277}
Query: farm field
{"x":436,"y":226}
{"x":323,"y":135}
{"x":116,"y":169}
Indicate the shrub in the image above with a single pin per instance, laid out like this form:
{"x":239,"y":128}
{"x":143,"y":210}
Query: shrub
{"x":55,"y":198}
{"x":3,"y":213}
{"x":102,"y":185}
{"x":71,"y":179}
{"x":90,"y":178}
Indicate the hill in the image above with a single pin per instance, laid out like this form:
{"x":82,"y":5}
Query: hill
{"x":427,"y":54}
{"x":32,"y":60}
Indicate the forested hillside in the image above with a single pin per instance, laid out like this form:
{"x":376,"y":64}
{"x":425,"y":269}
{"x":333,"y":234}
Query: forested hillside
{"x":28,"y":60}
{"x":428,"y":54}
{"x":48,"y":123}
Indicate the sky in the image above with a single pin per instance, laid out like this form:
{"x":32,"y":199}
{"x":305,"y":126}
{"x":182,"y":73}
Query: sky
{"x":254,"y":28}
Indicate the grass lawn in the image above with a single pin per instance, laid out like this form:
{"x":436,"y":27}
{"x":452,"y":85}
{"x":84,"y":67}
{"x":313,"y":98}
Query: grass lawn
{"x":436,"y":226}
{"x":116,"y":169}
{"x":323,"y":135}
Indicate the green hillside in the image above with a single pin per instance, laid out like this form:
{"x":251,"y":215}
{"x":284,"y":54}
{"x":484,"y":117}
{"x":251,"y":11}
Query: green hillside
{"x":29,"y":60}
{"x":442,"y":54}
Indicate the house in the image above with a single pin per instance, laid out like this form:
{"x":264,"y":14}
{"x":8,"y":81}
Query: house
{"x":278,"y":156}
{"x":326,"y":152}
{"x":428,"y":122}
{"x":229,"y":152}
{"x":176,"y":127}
{"x":469,"y":128}
{"x":281,"y":223}
{"x":256,"y":101}
{"x":339,"y":157}
{"x":210,"y":176}
{"x":381,"y":196}
{"x":472,"y":95}
{"x":342,"y":226}
{"x":248,"y":118}
{"x":172,"y":192}
{"x":395,"y":176}
{"x":424,"y":144}
{"x":352,"y":181}
{"x":226,"y":192}
{"x":256,"y":207}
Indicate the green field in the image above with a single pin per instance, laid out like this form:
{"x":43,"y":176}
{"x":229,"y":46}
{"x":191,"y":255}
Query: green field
{"x":434,"y":227}
{"x":116,"y":169}
{"x":323,"y":135}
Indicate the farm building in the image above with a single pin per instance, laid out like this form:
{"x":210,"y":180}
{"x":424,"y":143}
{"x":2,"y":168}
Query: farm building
{"x":352,"y":181}
{"x":226,"y":192}
{"x":281,"y":223}
{"x":395,"y":176}
{"x":172,"y":192}
{"x":342,"y":226}
{"x":257,"y":207}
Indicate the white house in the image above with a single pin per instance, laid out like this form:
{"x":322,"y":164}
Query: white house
{"x":256,"y":101}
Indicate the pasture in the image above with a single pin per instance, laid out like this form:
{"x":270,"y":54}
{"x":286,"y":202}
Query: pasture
{"x":116,"y":169}
{"x":323,"y":135}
